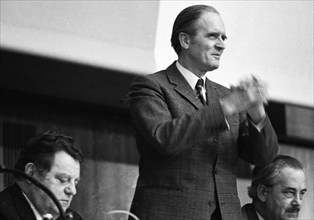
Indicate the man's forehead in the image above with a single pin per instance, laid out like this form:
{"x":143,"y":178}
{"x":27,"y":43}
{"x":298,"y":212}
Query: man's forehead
{"x":292,"y":178}
{"x":64,"y":163}
{"x":63,"y":157}
{"x":211,"y":21}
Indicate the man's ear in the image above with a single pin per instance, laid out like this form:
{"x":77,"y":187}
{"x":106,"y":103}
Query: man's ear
{"x":30,"y":169}
{"x":184,"y":40}
{"x":262,"y":192}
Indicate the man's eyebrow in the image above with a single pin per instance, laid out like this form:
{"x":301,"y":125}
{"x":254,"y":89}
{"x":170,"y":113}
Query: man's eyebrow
{"x":68,"y":176}
{"x":217,"y":33}
{"x":289,"y":188}
{"x":294,"y":189}
{"x":62,"y":174}
{"x":65,"y":175}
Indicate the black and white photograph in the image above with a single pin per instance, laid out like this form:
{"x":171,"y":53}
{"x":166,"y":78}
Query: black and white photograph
{"x":156,"y":110}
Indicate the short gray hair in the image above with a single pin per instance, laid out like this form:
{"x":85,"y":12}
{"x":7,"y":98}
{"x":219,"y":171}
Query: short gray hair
{"x":269,"y":175}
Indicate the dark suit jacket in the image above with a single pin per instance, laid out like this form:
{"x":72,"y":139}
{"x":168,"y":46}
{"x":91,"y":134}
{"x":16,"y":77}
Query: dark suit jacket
{"x":249,"y":212}
{"x":188,"y":156}
{"x":14,"y":206}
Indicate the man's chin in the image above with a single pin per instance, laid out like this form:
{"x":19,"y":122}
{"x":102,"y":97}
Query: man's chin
{"x":65,"y":204}
{"x":291,"y":215}
{"x":212,"y":66}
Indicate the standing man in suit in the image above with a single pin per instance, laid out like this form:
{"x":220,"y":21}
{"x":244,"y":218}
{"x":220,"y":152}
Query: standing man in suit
{"x":277,"y":190}
{"x":191,"y":131}
{"x":52,"y":159}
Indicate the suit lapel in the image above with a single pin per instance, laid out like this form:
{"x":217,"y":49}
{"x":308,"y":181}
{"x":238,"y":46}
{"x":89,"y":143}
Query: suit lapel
{"x":182,"y":86}
{"x":23,"y":208}
{"x":252,"y":213}
{"x":212,"y":91}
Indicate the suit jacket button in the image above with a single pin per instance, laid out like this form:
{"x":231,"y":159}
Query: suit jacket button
{"x":215,"y":139}
{"x":210,"y":203}
{"x":216,"y":171}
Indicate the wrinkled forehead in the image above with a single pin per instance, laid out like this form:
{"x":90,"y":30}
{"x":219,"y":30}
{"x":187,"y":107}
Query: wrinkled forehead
{"x":293,"y":178}
{"x":210,"y":16}
{"x":211,"y":20}
{"x":65,"y":163}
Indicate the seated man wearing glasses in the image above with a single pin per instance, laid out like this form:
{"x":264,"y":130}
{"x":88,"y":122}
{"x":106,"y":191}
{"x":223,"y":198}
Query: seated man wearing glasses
{"x":52,"y":159}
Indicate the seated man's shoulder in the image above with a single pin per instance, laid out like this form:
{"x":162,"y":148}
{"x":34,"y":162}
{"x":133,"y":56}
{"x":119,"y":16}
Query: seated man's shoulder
{"x":248,"y":212}
{"x":11,"y":200}
{"x":7,"y":194}
{"x":71,"y":215}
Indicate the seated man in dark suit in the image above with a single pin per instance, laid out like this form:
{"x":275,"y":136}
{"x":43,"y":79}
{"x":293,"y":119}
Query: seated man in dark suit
{"x":52,"y":159}
{"x":277,"y":190}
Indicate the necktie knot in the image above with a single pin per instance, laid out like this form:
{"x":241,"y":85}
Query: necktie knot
{"x":199,"y":85}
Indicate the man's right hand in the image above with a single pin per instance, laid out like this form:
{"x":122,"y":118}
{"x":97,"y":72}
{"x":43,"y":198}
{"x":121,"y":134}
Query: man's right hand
{"x":250,"y":96}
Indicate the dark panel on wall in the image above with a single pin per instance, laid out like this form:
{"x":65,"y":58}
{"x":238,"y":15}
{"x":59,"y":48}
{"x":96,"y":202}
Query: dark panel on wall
{"x":65,"y":87}
{"x":111,"y":130}
{"x":276,"y":113}
{"x":294,"y":124}
{"x":300,"y":122}
{"x":15,"y":135}
{"x":60,"y":79}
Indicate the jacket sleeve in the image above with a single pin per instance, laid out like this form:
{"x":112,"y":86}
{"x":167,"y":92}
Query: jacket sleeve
{"x":258,"y":147}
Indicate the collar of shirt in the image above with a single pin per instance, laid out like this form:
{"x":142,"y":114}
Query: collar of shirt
{"x":190,"y":77}
{"x":259,"y":216}
{"x":36,"y":213}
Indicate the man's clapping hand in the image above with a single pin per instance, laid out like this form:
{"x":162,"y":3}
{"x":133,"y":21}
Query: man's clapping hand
{"x":250,"y":96}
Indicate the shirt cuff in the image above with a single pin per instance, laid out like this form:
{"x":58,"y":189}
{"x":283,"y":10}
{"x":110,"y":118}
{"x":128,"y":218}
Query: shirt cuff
{"x":260,"y":125}
{"x":227,"y":123}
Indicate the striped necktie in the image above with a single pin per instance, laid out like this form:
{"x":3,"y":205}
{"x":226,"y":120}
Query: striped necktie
{"x":199,"y":90}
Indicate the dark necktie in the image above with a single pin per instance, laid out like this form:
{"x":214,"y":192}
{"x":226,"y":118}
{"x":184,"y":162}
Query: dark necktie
{"x":199,"y":86}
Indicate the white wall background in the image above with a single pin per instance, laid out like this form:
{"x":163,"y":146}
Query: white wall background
{"x":111,"y":34}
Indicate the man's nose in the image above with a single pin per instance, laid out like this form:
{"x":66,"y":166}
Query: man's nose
{"x":220,"y":43}
{"x":297,"y":201}
{"x":70,"y":189}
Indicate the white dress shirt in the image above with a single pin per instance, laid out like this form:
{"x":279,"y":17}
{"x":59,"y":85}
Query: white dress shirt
{"x":191,"y":78}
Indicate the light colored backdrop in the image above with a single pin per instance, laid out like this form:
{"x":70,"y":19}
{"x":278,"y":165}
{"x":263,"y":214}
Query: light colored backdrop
{"x":270,"y":39}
